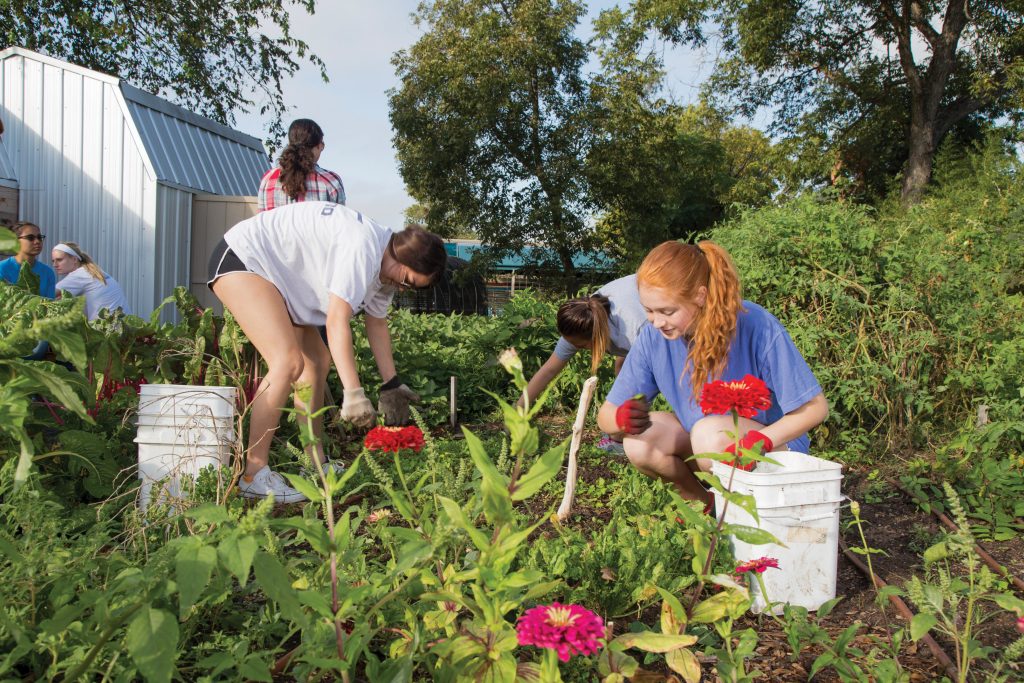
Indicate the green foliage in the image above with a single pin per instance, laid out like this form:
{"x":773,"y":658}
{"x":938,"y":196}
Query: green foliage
{"x":489,"y":121}
{"x":866,"y":88}
{"x":618,"y":567}
{"x":908,"y":318}
{"x":953,"y":597}
{"x":211,"y":57}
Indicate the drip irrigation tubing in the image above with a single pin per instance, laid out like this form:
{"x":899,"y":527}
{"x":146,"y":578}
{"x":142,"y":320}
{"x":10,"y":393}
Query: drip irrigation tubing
{"x":982,"y":553}
{"x":901,"y":607}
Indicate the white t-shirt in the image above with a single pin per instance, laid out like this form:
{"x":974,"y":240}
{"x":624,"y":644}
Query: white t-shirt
{"x":98,"y":296}
{"x":309,"y":250}
{"x":625,"y":321}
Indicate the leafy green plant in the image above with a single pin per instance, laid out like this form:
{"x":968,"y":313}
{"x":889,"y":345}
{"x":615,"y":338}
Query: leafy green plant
{"x":955,"y":604}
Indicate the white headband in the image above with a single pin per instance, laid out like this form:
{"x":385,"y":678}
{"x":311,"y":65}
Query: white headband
{"x":68,"y":250}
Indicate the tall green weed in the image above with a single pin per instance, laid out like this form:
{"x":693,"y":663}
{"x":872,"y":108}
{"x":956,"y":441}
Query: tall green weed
{"x":909,"y":318}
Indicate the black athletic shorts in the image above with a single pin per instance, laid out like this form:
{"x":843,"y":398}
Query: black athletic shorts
{"x":224,"y":261}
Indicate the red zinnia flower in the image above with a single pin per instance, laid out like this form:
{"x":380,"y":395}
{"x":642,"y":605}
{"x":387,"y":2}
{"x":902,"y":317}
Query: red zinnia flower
{"x":394,"y":439}
{"x":759,"y":565}
{"x":567,"y":629}
{"x":746,"y":396}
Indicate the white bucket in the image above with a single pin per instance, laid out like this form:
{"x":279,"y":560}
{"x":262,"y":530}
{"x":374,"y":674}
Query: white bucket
{"x":183,"y":400}
{"x":181,"y":430}
{"x":797,"y":502}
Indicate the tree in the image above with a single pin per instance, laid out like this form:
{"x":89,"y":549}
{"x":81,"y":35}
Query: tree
{"x":659,"y":170}
{"x":490,"y":122}
{"x":208,"y":55}
{"x":875,"y":79}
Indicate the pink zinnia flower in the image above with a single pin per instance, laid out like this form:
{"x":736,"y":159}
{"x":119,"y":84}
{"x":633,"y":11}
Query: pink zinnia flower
{"x":378,"y":515}
{"x":1020,"y":624}
{"x":759,"y":565}
{"x":568,"y":629}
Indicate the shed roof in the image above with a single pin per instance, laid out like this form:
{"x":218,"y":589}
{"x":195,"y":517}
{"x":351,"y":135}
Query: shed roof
{"x":193,"y":151}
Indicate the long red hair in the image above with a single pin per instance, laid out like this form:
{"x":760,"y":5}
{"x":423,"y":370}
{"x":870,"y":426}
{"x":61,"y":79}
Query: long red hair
{"x":681,"y":270}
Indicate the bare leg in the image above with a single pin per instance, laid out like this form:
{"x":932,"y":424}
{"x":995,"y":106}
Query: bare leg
{"x":316,"y":364}
{"x":262,"y":314}
{"x":712,"y":434}
{"x":662,"y":451}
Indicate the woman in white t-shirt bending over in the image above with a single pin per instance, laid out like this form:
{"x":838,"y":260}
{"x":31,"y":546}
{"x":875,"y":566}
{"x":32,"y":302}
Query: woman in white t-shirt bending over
{"x":285,"y":272}
{"x":82,"y":277}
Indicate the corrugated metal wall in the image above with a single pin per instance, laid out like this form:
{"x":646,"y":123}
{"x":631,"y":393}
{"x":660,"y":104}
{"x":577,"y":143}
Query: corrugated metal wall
{"x":174,"y":216}
{"x":82,"y":174}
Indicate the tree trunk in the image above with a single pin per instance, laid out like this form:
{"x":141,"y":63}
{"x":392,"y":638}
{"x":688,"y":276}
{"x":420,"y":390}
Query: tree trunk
{"x":920,"y":158}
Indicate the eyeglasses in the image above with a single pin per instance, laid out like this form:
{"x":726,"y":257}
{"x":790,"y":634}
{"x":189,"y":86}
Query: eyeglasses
{"x":32,"y":238}
{"x":405,"y":285}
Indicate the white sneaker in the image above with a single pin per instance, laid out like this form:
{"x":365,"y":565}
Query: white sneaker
{"x":267,"y":482}
{"x":609,"y":445}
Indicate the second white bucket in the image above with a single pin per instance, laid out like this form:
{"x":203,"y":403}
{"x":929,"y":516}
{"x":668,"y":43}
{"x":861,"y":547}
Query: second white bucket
{"x":798,"y":503}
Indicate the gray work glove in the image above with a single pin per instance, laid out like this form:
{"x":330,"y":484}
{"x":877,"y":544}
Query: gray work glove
{"x":394,"y":405}
{"x":358,"y":409}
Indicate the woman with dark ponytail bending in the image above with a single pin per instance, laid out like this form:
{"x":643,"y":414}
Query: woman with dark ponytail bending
{"x":607,"y":321}
{"x":702,"y":330}
{"x":298,"y":177}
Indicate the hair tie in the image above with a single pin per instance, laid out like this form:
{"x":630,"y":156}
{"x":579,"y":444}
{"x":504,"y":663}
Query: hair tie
{"x":67,"y":250}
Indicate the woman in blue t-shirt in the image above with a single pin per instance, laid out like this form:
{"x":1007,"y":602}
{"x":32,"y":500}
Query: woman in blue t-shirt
{"x":702,"y":330}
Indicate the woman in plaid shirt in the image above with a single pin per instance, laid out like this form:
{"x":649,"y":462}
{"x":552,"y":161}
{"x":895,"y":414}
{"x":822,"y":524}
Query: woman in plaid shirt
{"x":298,"y":177}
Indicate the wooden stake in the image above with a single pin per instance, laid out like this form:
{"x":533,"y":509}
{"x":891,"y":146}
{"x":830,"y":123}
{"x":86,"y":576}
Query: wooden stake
{"x":453,"y":410}
{"x":586,"y":396}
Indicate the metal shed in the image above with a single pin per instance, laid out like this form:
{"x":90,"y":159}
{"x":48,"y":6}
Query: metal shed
{"x":116,"y":169}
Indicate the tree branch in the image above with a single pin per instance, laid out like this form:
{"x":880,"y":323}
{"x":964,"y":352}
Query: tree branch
{"x":922,"y":24}
{"x":901,"y":27}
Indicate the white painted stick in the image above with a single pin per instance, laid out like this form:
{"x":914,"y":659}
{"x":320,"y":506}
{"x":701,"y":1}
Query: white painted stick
{"x":453,"y":410}
{"x":586,"y":396}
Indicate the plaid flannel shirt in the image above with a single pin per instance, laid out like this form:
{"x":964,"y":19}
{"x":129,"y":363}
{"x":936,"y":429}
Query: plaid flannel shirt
{"x":321,"y":185}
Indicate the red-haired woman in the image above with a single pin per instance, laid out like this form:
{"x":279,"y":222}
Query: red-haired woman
{"x":702,"y":330}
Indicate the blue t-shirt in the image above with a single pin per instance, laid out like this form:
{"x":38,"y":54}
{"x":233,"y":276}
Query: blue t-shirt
{"x":761,"y":347}
{"x":10,"y":269}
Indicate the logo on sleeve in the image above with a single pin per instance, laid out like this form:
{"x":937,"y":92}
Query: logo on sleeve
{"x":327,"y":210}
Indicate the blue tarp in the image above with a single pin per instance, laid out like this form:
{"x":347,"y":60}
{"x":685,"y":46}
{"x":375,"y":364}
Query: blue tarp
{"x":531,"y":254}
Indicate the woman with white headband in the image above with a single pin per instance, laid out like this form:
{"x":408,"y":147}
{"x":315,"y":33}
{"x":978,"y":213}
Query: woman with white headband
{"x":82,"y":277}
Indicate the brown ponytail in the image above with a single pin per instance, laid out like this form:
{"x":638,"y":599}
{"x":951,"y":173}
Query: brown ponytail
{"x":682,"y":269}
{"x":587,"y":318}
{"x":298,"y":159}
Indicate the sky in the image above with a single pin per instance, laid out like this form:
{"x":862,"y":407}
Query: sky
{"x":357,"y":39}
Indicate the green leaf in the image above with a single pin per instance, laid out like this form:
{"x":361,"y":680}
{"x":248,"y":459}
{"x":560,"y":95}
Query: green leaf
{"x":921,"y":624}
{"x":650,"y":641}
{"x":236,"y":553}
{"x":684,"y":663}
{"x":540,"y":473}
{"x":673,"y":615}
{"x":193,"y":567}
{"x":306,"y":487}
{"x":54,"y":381}
{"x":275,"y":582}
{"x":458,"y":517}
{"x":152,"y":643}
{"x":935,"y":553}
{"x":751,"y":535}
{"x":719,"y":606}
{"x":494,"y":487}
